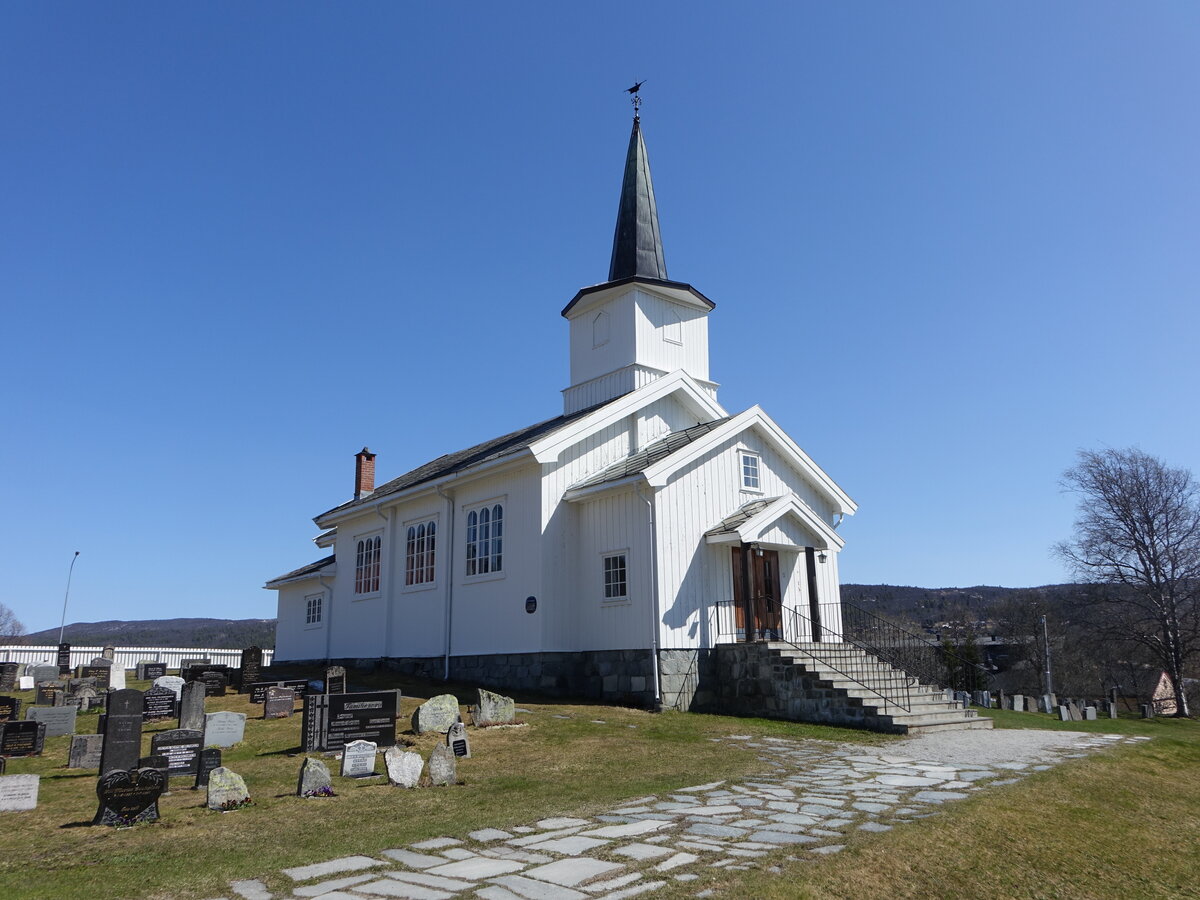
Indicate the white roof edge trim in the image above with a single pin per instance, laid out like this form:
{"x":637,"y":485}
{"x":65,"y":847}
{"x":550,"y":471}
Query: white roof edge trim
{"x":658,"y":474}
{"x":548,"y":448}
{"x":573,"y":494}
{"x":323,"y":572}
{"x":785,"y":505}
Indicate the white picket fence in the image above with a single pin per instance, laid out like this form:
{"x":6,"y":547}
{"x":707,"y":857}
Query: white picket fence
{"x":128,"y":657}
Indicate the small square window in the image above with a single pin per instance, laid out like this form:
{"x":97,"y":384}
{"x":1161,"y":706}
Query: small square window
{"x":615,"y":581}
{"x":750,"y":479}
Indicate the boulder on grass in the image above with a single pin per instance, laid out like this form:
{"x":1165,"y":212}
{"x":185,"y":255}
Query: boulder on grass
{"x":493,"y":709}
{"x":436,"y":714}
{"x":404,"y":767}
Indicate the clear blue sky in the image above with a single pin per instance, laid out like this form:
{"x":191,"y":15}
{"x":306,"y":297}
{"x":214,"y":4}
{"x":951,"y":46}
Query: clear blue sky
{"x":950,"y":244}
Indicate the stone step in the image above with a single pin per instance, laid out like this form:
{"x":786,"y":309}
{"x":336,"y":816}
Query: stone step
{"x":949,"y":725}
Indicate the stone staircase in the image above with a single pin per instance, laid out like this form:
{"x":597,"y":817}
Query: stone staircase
{"x":835,"y":684}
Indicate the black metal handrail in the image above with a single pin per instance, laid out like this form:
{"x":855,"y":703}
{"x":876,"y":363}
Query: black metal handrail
{"x":893,"y":688}
{"x":929,"y":662}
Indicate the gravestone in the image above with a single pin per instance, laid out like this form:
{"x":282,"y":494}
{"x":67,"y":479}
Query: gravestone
{"x":159,"y":763}
{"x":1089,"y":714}
{"x":49,"y":693}
{"x":122,"y":731}
{"x":1073,"y":708}
{"x":442,"y":767}
{"x":280,"y":703}
{"x":128,"y":796}
{"x":44,"y":673}
{"x":224,"y":729}
{"x":87,"y":697}
{"x":148,"y":671}
{"x":3,"y":763}
{"x":19,"y":792}
{"x":189,"y":661}
{"x":8,"y":676}
{"x":1046,"y":705}
{"x":1112,"y":709}
{"x":1147,"y":710}
{"x":159,"y":703}
{"x":210,"y":759}
{"x":315,"y":780}
{"x":102,"y":674}
{"x":258,"y":690}
{"x":85,"y":751}
{"x":181,"y":747}
{"x":358,"y":759}
{"x":214,"y":683}
{"x":25,"y":683}
{"x":25,"y":738}
{"x":251,"y":668}
{"x":456,"y":740}
{"x":109,"y":653}
{"x":63,"y":660}
{"x":10,"y":709}
{"x":100,"y":723}
{"x":59,"y":720}
{"x":331,"y":720}
{"x":493,"y":709}
{"x":116,"y":678}
{"x":1064,"y":714}
{"x":191,"y":706}
{"x":174,"y":682}
{"x":404,"y":767}
{"x":226,"y":789}
{"x":335,"y":680}
{"x":436,"y":714}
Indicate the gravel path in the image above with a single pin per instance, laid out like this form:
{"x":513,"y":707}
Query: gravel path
{"x":809,"y":798}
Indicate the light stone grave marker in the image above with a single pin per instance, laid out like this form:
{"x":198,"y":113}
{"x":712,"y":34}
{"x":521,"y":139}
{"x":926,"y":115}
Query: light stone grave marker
{"x":19,"y":792}
{"x":358,"y":759}
{"x":226,"y":789}
{"x":493,"y":709}
{"x":59,"y":720}
{"x":224,"y":728}
{"x":314,"y":779}
{"x":191,"y":706}
{"x":456,"y":740}
{"x":404,"y":767}
{"x":173,"y":682}
{"x":85,"y":751}
{"x":436,"y":714}
{"x":443,"y":770}
{"x":25,"y":683}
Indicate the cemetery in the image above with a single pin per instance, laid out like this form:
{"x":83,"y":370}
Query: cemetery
{"x":274,"y":774}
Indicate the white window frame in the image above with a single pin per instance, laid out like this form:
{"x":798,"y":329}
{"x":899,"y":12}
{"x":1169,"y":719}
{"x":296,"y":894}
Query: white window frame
{"x":309,"y":620}
{"x":623,"y":555}
{"x":368,"y":564}
{"x":422,"y":549}
{"x":743,"y":456}
{"x":479,"y":535}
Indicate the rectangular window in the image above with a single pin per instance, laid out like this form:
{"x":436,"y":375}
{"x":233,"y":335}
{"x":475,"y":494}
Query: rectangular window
{"x":419,"y":549}
{"x":312,"y":613}
{"x":750,"y":479}
{"x":367,"y":556}
{"x":615,"y":582}
{"x":485,"y":540}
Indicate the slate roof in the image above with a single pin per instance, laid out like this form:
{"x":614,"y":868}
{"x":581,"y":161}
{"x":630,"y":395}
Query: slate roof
{"x":310,"y":569}
{"x":741,"y":516}
{"x":637,"y":244}
{"x":505,"y":445}
{"x":650,"y":454}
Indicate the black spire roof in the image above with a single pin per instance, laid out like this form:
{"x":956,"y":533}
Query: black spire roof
{"x":637,"y":245}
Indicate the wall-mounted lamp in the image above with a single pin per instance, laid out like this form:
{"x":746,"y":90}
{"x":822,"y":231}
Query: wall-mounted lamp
{"x":822,"y":556}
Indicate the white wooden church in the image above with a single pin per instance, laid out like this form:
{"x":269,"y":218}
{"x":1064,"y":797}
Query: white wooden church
{"x":608,"y":551}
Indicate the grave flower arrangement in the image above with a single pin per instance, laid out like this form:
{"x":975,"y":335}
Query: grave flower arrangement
{"x":323,"y":791}
{"x":232,"y":804}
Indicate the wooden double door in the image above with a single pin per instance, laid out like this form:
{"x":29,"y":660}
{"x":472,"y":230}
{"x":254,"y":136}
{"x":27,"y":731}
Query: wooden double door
{"x":757,"y":596}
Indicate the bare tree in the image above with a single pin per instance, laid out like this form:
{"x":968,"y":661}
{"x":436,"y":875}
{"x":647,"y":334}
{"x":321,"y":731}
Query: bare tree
{"x":10,"y":627}
{"x":1138,"y":533}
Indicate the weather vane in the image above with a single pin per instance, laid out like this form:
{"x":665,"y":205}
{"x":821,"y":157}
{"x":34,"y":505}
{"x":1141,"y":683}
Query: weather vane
{"x":633,"y":95}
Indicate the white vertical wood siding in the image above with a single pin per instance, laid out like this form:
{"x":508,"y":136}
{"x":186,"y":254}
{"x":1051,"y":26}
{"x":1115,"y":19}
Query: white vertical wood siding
{"x":293,"y":638}
{"x":588,"y":361}
{"x":415,"y":614}
{"x":655,"y":315}
{"x":608,"y":387}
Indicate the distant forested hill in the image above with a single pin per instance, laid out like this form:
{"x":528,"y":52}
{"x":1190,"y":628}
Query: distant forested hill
{"x":216,"y":633}
{"x":932,"y":605}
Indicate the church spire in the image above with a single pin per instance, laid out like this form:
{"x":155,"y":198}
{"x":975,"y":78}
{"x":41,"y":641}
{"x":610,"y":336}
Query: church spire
{"x":637,"y":244}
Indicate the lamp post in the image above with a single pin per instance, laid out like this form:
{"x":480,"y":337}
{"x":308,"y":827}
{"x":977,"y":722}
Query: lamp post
{"x":1046,"y":638}
{"x":70,"y":572}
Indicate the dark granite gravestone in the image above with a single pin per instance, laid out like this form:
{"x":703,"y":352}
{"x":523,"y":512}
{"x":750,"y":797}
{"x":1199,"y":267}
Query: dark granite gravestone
{"x":331,"y":720}
{"x":59,"y":720}
{"x":64,"y":659}
{"x":160,"y":764}
{"x":100,"y":720}
{"x":10,"y":709}
{"x":102,"y":674}
{"x":8,"y":675}
{"x":128,"y":796}
{"x":151,"y":670}
{"x":193,"y":672}
{"x":3,"y":763}
{"x":258,"y":690}
{"x":48,"y":693}
{"x":209,"y":759}
{"x":335,"y":680}
{"x":25,"y":738}
{"x":456,"y":740}
{"x":251,"y":668}
{"x":191,"y":706}
{"x":214,"y":683}
{"x":181,"y":747}
{"x":122,"y":731}
{"x":159,"y":703}
{"x":85,"y":751}
{"x":280,"y":703}
{"x":188,"y":662}
{"x":109,"y":653}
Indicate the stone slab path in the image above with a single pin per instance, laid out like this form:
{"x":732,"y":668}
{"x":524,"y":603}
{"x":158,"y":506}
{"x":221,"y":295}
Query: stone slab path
{"x":810,"y":797}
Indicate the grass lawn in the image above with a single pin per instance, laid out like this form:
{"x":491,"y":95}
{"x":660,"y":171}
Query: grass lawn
{"x":516,"y":775}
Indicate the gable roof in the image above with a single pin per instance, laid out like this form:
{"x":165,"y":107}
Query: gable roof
{"x":748,"y":523}
{"x":300,"y":574}
{"x":497,"y":448}
{"x":648,"y":455}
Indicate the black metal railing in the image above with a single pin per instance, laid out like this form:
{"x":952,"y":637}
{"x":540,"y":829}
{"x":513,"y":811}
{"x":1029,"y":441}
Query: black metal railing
{"x":893,"y":687}
{"x":930,"y":662}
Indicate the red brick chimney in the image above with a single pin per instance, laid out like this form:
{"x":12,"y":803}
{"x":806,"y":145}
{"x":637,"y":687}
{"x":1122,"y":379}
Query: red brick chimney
{"x":364,"y":473}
